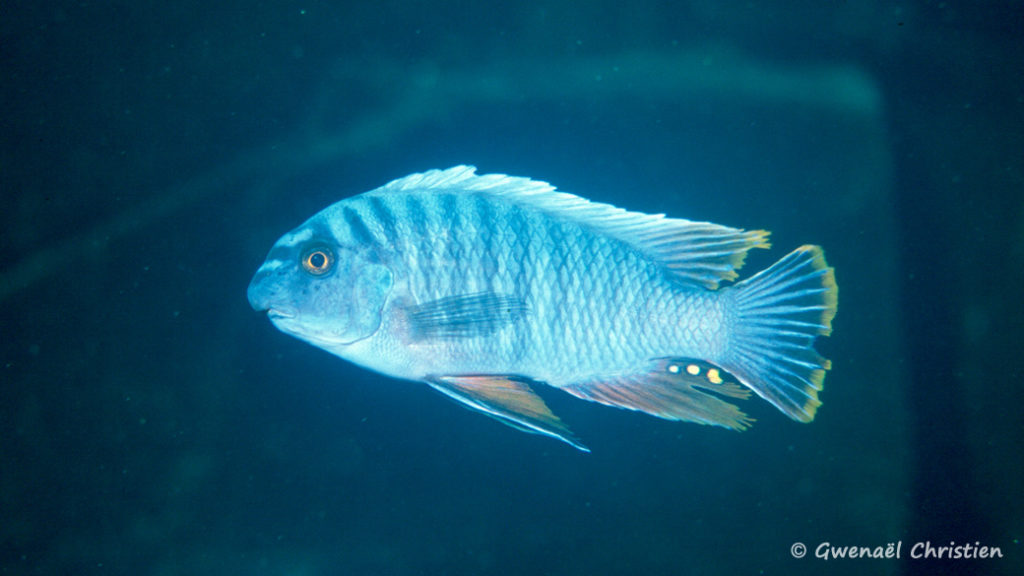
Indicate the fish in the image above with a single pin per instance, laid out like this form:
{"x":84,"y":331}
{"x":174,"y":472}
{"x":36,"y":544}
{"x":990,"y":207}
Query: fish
{"x":487,"y":287}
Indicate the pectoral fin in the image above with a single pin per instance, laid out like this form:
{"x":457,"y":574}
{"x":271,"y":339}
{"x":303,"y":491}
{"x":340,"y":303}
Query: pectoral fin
{"x":508,"y":400}
{"x":465,"y":315}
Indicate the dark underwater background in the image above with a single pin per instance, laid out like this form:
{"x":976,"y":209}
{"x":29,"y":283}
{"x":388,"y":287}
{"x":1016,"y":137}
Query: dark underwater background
{"x":151,"y":152}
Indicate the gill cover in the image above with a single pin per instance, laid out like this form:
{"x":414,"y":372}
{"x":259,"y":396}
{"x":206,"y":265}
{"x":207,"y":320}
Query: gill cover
{"x":372,"y":283}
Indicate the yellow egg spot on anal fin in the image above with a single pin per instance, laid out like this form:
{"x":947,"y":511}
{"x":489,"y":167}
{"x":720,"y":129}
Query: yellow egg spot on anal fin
{"x":697,"y":391}
{"x":714,"y":376}
{"x":704,"y":374}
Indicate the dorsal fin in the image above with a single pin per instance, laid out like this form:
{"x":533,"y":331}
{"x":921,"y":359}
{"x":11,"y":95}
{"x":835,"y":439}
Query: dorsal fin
{"x":693,"y":252}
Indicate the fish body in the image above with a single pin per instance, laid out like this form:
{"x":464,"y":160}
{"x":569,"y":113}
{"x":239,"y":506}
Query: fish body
{"x":484,"y":286}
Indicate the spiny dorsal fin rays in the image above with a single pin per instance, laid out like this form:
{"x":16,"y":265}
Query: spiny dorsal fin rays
{"x":693,"y":252}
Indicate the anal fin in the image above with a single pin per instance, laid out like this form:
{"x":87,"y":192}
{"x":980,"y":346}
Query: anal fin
{"x":507,"y":399}
{"x":673,"y":389}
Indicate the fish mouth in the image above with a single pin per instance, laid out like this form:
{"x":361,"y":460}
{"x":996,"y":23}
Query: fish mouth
{"x":280,"y":313}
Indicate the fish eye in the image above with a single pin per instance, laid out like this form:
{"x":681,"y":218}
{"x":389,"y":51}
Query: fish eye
{"x":318,"y":260}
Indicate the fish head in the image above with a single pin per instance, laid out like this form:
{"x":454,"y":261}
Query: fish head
{"x":321,"y":291}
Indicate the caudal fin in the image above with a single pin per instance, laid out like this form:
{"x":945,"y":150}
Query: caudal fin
{"x":780,"y":312}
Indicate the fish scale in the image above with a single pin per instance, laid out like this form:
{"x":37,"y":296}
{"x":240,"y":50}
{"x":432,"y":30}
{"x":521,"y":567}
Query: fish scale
{"x":574,"y":268}
{"x":486,"y":286}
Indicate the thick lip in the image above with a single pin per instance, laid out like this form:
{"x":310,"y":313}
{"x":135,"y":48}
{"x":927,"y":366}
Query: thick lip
{"x":273,"y":313}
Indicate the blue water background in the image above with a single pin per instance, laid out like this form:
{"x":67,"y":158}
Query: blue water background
{"x":152,"y":423}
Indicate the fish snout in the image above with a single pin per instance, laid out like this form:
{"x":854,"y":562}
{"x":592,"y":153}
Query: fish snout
{"x":263,"y":291}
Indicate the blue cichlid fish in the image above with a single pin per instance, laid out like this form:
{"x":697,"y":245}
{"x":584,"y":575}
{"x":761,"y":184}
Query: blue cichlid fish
{"x":485,"y":286}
